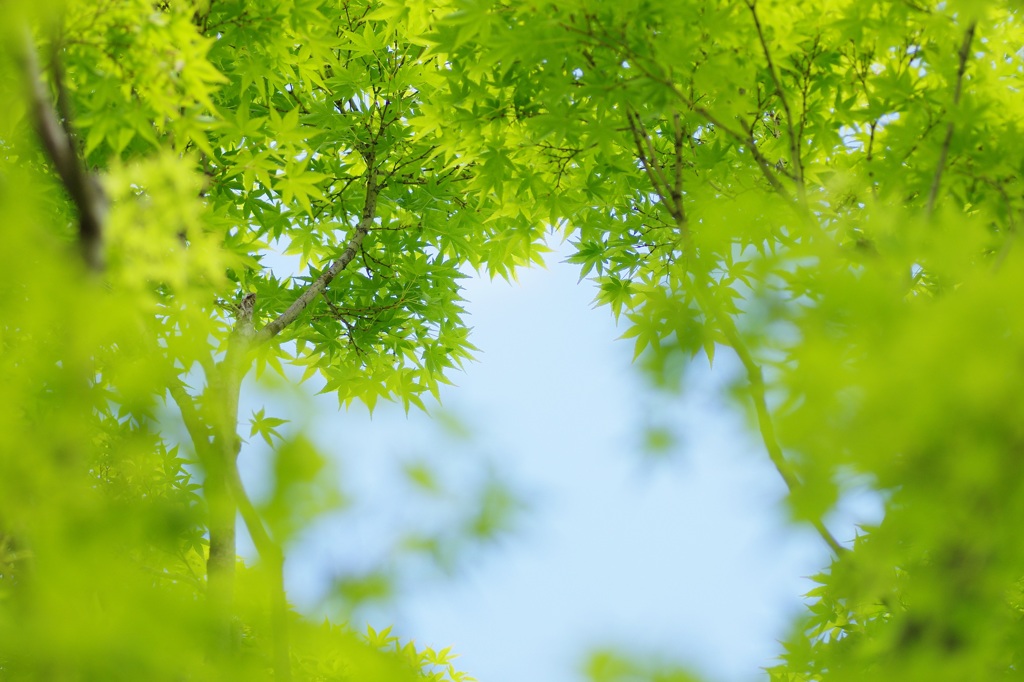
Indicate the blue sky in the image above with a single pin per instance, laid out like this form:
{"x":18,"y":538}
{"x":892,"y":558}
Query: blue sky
{"x":687,"y":557}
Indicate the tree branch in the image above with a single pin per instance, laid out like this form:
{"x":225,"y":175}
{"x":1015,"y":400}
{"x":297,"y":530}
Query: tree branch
{"x":755,"y":380}
{"x":638,"y":60}
{"x":965,"y":51}
{"x":219,"y":457}
{"x":762,"y":162}
{"x":197,"y":430}
{"x":677,"y":151}
{"x":235,"y":366}
{"x":320,"y":284}
{"x":220,"y":560}
{"x":658,"y":182}
{"x":273,"y":557}
{"x":794,"y":141}
{"x":222,"y":415}
{"x":83,"y":189}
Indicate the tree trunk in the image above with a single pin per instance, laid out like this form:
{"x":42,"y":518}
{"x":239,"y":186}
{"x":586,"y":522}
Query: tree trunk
{"x":223,"y":507}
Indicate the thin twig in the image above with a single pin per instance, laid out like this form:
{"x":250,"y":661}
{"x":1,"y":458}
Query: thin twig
{"x":965,"y":50}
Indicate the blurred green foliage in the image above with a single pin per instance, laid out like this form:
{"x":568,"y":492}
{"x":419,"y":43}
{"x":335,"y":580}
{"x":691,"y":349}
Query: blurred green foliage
{"x":828,"y":190}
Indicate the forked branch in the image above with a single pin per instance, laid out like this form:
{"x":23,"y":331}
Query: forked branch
{"x":320,"y":284}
